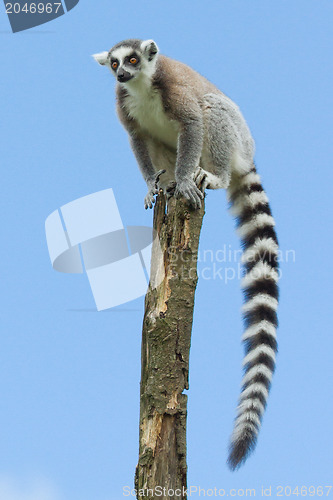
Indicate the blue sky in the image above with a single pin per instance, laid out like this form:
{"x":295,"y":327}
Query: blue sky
{"x":69,"y":376}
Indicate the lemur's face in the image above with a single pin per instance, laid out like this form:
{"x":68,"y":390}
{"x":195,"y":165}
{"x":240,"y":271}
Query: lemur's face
{"x":125,"y":63}
{"x":130,"y":59}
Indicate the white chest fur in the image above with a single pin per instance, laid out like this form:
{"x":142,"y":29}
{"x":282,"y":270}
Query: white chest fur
{"x":145,"y":106}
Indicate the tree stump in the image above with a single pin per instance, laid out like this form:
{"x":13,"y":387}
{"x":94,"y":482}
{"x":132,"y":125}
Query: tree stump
{"x":166,"y":341}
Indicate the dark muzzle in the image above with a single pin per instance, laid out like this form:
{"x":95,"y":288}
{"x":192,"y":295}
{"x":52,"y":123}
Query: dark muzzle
{"x":123,"y":76}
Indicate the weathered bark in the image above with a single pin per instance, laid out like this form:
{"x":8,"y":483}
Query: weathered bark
{"x":166,"y":340}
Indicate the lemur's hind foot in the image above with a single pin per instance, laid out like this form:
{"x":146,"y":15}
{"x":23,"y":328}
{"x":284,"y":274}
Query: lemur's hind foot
{"x":170,"y":189}
{"x":205,"y":180}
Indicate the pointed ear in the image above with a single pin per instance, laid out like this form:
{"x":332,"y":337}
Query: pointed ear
{"x":101,"y":58}
{"x":149,"y":49}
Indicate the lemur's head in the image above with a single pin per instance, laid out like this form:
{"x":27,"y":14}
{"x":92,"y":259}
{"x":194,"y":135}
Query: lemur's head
{"x":130,"y":59}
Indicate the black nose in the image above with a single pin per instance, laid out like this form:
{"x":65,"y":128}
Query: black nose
{"x":123,"y":75}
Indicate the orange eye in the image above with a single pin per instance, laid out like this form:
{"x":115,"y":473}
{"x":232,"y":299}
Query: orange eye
{"x":133,"y":60}
{"x":115,"y":65}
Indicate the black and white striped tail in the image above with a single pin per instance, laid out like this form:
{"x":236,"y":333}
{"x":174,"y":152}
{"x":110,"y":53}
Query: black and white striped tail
{"x":255,"y":224}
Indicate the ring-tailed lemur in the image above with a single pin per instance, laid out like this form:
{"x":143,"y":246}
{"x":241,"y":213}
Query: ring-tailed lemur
{"x":186,"y":132}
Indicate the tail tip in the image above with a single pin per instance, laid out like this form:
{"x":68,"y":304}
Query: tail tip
{"x":240,"y":450}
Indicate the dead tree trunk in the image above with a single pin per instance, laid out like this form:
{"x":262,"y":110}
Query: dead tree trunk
{"x":166,"y":340}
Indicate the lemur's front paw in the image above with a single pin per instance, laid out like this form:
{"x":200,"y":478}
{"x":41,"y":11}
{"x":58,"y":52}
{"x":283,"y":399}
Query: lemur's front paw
{"x":150,"y":198}
{"x":153,"y":188}
{"x":190,"y":191}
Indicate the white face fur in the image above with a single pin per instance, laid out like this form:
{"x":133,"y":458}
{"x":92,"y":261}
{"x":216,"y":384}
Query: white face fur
{"x":128,"y":63}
